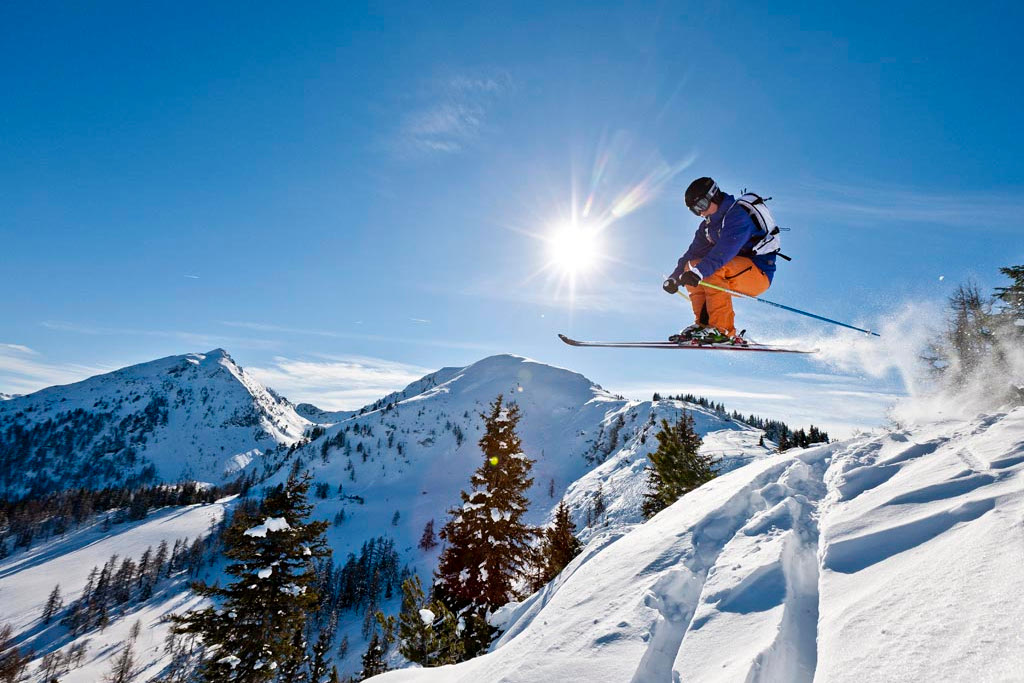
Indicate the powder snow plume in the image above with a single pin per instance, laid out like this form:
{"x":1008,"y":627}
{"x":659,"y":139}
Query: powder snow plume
{"x":909,"y":336}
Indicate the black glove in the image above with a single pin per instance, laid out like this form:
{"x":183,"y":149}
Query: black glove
{"x":670,"y":286}
{"x":689,"y":279}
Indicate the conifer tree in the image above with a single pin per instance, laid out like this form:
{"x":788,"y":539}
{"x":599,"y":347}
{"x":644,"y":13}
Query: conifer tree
{"x":428,"y":540}
{"x":53,"y":604}
{"x":13,"y":660}
{"x":123,"y":668}
{"x":488,"y":544}
{"x":250,"y":630}
{"x":373,"y":658}
{"x":291,"y":670}
{"x":1012,"y":296}
{"x":676,"y":466}
{"x":428,"y":633}
{"x":321,"y":650}
{"x":783,"y":441}
{"x":560,"y":545}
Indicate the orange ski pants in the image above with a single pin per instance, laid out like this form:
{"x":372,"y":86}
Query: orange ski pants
{"x":714,"y":308}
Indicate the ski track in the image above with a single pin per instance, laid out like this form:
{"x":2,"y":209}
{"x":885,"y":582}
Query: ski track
{"x":779,"y":504}
{"x":786,"y":502}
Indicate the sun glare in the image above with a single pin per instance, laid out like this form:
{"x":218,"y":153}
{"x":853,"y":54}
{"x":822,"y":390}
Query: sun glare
{"x":574,"y":248}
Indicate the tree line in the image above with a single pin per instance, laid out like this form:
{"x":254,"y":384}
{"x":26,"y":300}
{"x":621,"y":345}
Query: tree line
{"x":774,"y":430}
{"x":32,"y":519}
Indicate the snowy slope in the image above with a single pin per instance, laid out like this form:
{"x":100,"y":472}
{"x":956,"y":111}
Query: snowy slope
{"x":197,"y":416}
{"x":886,"y":557}
{"x":8,"y":397}
{"x":26,"y":579}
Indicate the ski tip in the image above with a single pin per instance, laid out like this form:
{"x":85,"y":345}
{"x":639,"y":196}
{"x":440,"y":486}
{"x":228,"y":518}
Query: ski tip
{"x":570,"y":342}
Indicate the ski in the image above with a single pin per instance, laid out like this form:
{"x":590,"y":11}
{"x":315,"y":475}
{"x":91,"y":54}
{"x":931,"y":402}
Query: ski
{"x":765,"y":348}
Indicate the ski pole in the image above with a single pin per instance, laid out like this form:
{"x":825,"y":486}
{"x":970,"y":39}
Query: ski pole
{"x":787,"y":308}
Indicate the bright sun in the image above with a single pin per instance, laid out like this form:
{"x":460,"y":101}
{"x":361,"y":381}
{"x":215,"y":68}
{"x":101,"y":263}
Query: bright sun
{"x":574,"y":248}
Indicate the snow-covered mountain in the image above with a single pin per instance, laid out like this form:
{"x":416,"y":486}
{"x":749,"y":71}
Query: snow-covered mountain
{"x":885,"y":557}
{"x":197,"y":416}
{"x":411,"y":452}
{"x":402,"y":461}
{"x":8,"y":397}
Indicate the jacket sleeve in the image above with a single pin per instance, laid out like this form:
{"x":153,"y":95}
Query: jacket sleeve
{"x":699,"y":247}
{"x":736,"y":232}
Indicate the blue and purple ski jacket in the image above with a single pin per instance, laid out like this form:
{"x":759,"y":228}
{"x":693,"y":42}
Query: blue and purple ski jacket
{"x":720,"y":238}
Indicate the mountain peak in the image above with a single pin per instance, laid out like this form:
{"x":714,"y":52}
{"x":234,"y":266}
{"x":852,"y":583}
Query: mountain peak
{"x":174,"y":418}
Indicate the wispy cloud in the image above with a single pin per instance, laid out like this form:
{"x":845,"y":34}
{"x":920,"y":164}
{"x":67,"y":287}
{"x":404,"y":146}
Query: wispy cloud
{"x":197,"y":341}
{"x":412,"y":339}
{"x":452,"y":114}
{"x":19,"y":348}
{"x":23,"y":370}
{"x":337,"y":382}
{"x":894,"y":204}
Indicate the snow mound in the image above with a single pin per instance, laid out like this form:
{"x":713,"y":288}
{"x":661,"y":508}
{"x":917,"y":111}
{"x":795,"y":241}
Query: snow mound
{"x":886,"y":557}
{"x":270,"y":524}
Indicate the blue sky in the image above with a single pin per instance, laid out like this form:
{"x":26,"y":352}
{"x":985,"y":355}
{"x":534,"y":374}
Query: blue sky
{"x":346,"y":195}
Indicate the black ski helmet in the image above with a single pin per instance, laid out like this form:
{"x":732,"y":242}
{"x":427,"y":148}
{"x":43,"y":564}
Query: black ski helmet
{"x":701,"y":193}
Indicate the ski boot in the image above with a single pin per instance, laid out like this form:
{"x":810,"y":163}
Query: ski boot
{"x":709,"y":335}
{"x":686,"y":334}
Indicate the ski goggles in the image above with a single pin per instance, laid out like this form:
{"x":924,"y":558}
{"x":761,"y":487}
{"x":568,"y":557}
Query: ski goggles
{"x":699,"y":206}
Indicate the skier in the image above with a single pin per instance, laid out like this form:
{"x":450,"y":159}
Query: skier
{"x":727,"y":250}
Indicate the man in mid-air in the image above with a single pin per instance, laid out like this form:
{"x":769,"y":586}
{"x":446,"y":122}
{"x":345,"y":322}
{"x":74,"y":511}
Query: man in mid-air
{"x":728,"y":250}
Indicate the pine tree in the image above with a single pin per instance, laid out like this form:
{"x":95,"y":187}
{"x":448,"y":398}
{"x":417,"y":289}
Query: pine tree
{"x":560,"y":544}
{"x":251,"y":630}
{"x":428,"y":540}
{"x":53,"y":604}
{"x":677,"y":467}
{"x":343,"y":647}
{"x":373,"y":659}
{"x":123,"y":668}
{"x":488,"y":544}
{"x":1012,"y":297}
{"x":13,"y":660}
{"x":427,"y":632}
{"x":291,"y":670}
{"x":321,"y":651}
{"x":783,"y":441}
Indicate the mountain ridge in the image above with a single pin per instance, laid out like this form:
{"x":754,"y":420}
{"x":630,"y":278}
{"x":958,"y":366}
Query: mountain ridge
{"x":193,"y":416}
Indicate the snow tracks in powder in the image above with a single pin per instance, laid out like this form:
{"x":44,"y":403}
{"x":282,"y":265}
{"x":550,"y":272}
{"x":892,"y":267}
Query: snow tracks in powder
{"x":743,"y":605}
{"x":893,"y":556}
